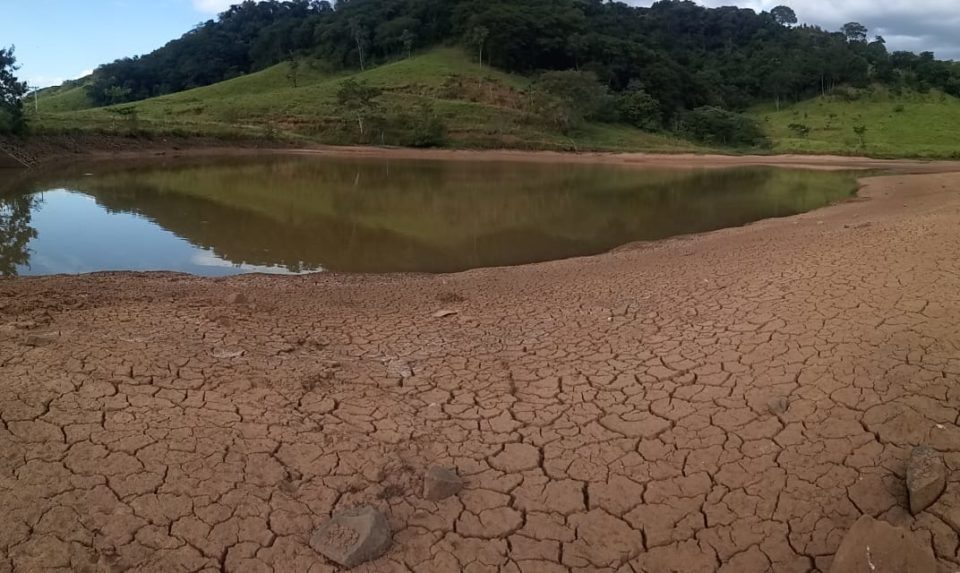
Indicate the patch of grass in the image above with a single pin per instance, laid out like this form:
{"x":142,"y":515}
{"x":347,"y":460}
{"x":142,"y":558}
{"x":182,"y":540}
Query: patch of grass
{"x":906,"y":125}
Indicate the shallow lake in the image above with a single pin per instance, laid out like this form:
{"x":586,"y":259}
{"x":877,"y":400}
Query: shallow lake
{"x":289,"y":214}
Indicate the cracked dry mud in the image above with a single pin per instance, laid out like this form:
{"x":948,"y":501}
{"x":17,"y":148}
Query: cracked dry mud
{"x":607,"y":414}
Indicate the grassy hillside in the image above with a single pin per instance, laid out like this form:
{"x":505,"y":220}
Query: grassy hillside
{"x":910,"y":125}
{"x":484,"y":108}
{"x":480,"y":108}
{"x":71,"y":96}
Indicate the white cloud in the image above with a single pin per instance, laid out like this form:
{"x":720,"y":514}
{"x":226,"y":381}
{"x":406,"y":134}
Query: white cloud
{"x":43,"y":81}
{"x":213,"y":6}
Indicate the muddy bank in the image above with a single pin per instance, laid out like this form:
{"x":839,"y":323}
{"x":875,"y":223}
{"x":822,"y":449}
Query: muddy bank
{"x":732,"y":401}
{"x":44,"y":151}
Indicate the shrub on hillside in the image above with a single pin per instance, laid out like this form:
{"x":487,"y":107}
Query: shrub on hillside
{"x":721,"y":127}
{"x":422,"y":128}
{"x":799,"y":129}
{"x":639,"y":109}
{"x":847,"y":93}
{"x":568,"y":98}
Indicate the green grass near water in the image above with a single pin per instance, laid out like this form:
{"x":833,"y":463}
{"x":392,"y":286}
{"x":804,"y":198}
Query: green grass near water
{"x":906,"y":125}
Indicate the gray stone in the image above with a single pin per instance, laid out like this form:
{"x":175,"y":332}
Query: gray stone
{"x":441,"y":483}
{"x":353,"y":537}
{"x":778,"y":405}
{"x":872,"y":546}
{"x":926,"y":478}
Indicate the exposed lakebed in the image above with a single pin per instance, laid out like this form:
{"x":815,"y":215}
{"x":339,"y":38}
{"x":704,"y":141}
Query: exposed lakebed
{"x":293,"y":214}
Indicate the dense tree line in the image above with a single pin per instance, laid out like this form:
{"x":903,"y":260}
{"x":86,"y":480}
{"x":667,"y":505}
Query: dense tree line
{"x":672,"y":57}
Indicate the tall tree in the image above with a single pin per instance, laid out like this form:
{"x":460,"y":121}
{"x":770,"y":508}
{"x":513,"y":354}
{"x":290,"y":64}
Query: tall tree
{"x":784,"y":15}
{"x":360,"y":37}
{"x":407,"y":40}
{"x":359,"y":98}
{"x":478,"y":38}
{"x":855,"y":32}
{"x":293,"y":71}
{"x":12,"y":91}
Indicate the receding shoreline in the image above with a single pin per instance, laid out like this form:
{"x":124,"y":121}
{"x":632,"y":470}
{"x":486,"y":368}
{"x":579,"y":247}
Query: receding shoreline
{"x":46,"y":150}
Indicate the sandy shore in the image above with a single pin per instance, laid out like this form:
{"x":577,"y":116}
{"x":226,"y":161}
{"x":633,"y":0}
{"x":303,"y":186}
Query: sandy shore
{"x":732,"y":401}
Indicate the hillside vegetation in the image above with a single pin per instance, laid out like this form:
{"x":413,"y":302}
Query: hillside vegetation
{"x":477,"y":108}
{"x":557,"y":74}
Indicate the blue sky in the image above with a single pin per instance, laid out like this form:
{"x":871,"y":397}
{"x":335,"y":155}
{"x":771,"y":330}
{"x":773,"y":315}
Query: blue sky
{"x":58,"y":40}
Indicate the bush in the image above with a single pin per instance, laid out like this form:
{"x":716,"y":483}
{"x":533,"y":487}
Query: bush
{"x":639,"y":109}
{"x":12,"y":121}
{"x":128,"y":116}
{"x":566,"y":99}
{"x":425,"y":128}
{"x":799,"y":129}
{"x":847,"y":93}
{"x":721,"y":127}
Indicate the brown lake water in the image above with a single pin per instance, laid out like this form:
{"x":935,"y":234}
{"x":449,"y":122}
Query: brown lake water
{"x":288,"y":214}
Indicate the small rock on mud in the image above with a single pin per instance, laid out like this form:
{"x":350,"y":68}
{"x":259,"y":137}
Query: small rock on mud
{"x":353,"y":537}
{"x":444,"y":313}
{"x":778,"y":405}
{"x":41,"y":339}
{"x":926,"y":478}
{"x":872,"y":546}
{"x":227,"y":353}
{"x":441,"y":483}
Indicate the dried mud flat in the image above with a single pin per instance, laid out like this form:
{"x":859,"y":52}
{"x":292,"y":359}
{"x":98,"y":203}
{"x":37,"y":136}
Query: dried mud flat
{"x":726,"y":402}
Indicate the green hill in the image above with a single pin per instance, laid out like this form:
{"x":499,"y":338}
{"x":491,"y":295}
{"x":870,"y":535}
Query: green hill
{"x":71,"y":96}
{"x":479,"y":108}
{"x":906,"y":125}
{"x":486,"y":108}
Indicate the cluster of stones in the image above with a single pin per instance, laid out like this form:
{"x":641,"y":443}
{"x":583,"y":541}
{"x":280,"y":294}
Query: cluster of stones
{"x":363,"y":534}
{"x":876,"y":546}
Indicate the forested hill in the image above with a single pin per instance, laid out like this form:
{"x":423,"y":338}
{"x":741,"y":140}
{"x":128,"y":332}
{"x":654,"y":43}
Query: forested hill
{"x":683,"y":56}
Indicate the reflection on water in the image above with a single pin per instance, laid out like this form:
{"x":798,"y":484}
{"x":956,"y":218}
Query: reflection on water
{"x":298,"y":214}
{"x":15,"y":231}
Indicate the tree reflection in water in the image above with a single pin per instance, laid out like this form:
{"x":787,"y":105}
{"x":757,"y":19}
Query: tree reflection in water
{"x":16,"y":232}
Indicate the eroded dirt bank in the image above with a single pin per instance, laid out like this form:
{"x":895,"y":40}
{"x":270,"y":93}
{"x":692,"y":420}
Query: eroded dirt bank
{"x":615,"y":413}
{"x":51,"y":150}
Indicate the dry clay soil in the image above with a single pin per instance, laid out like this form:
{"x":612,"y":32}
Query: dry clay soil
{"x":623,"y":412}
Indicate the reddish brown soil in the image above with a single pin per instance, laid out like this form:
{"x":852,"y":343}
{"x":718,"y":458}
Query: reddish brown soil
{"x":611,"y":413}
{"x":57,"y":149}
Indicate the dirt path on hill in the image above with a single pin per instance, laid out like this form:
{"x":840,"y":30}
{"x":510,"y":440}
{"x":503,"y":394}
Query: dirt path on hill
{"x":731,"y":401}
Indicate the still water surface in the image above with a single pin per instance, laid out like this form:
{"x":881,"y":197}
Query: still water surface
{"x":300,"y":214}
